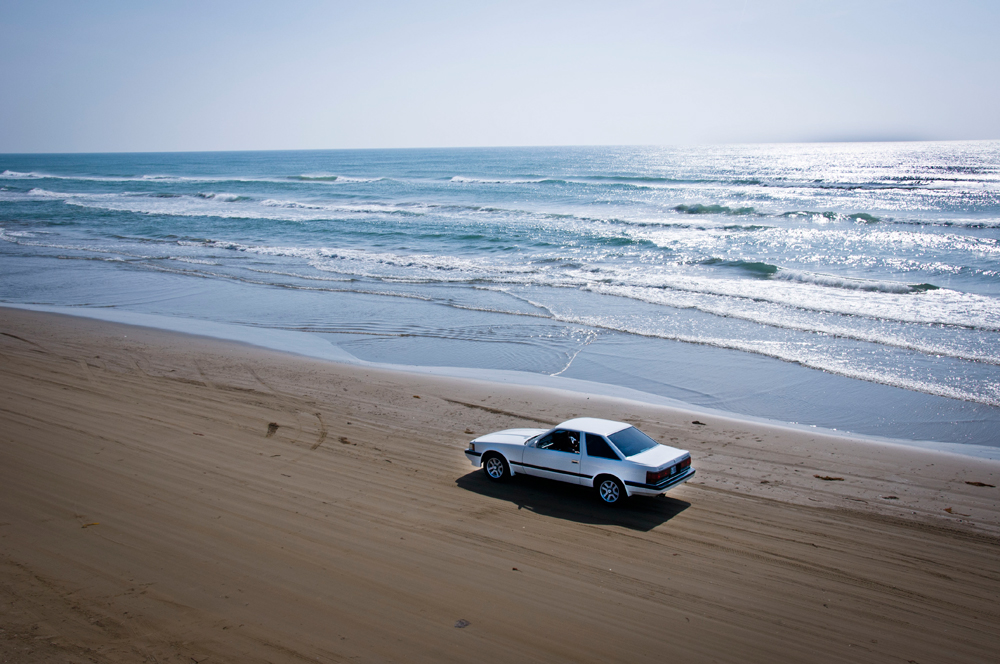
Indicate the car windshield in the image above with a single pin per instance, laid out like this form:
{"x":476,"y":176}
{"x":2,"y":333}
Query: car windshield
{"x":631,"y":441}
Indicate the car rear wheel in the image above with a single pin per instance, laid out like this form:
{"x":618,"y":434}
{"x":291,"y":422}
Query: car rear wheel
{"x":496,"y":468}
{"x":610,"y":491}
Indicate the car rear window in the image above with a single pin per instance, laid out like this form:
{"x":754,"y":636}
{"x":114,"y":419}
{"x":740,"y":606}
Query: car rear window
{"x":631,"y":441}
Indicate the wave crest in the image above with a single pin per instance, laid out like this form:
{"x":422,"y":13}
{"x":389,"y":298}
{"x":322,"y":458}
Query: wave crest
{"x":228,"y":198}
{"x":755,"y":268}
{"x":862,"y":217}
{"x":699,"y":208}
{"x":471,"y":180}
{"x":45,"y":193}
{"x":329,"y":177}
{"x":849,"y":283}
{"x":291,"y":205}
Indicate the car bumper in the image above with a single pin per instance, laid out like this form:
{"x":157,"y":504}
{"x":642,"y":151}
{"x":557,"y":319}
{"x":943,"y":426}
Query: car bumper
{"x":473,"y":457}
{"x":661,"y":486}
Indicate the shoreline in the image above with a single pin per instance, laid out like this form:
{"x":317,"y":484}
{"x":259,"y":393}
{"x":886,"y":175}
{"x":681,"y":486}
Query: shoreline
{"x":316,"y":347}
{"x":150,"y":510}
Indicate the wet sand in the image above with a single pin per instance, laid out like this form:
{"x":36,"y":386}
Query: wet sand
{"x":171,"y":498}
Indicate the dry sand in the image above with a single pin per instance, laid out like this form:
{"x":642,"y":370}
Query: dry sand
{"x":151,"y":512}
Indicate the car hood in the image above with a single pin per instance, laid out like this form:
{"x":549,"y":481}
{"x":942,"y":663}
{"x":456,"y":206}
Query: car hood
{"x":510,"y":436}
{"x":660,"y":455}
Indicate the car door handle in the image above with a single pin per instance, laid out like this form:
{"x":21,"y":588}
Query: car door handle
{"x":575,"y":461}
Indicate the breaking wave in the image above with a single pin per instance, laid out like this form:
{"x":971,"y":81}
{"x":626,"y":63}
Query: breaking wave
{"x":698,"y":208}
{"x":862,"y":217}
{"x":754,"y":268}
{"x":472,"y":180}
{"x":340,"y":179}
{"x":768,"y":271}
{"x":229,"y":198}
{"x":849,"y":283}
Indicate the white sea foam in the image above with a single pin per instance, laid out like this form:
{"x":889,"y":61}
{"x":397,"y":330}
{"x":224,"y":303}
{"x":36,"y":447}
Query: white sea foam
{"x":293,"y":205}
{"x":765,"y":301}
{"x":337,"y":179}
{"x":229,"y":198}
{"x":194,"y":261}
{"x":813,"y":355}
{"x":943,"y":306}
{"x":981,"y":346}
{"x":13,"y":236}
{"x":346,"y":179}
{"x":32,"y":175}
{"x":472,"y":180}
{"x":32,"y":240}
{"x":412,"y":268}
{"x":151,"y":178}
{"x":298,"y":275}
{"x":849,"y":283}
{"x":228,"y":206}
{"x":38,"y":191}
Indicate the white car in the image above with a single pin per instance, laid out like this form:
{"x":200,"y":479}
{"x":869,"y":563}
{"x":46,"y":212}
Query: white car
{"x":615,"y":458}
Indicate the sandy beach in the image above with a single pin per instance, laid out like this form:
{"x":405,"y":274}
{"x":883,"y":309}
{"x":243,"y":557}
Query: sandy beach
{"x":171,"y":498}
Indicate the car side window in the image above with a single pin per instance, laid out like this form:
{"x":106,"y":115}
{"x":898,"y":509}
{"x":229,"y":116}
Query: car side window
{"x":560,"y":441}
{"x":598,"y":447}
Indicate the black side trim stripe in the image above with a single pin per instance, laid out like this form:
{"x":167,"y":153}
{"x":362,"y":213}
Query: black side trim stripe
{"x":550,"y":470}
{"x":471,"y":453}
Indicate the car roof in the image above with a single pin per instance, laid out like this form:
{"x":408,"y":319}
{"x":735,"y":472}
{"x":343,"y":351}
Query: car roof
{"x":594,"y":425}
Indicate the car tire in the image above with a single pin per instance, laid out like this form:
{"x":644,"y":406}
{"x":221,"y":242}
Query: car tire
{"x":609,"y":490}
{"x":496,"y":468}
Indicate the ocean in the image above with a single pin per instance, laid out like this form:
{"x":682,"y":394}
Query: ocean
{"x":848,"y":286}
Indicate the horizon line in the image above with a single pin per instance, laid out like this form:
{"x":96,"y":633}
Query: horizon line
{"x":517,"y":147}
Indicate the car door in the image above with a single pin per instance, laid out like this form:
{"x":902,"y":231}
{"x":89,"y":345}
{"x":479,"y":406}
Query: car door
{"x":556,"y":455}
{"x":599,"y":458}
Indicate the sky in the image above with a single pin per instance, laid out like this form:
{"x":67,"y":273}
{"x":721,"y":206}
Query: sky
{"x":110,"y":76}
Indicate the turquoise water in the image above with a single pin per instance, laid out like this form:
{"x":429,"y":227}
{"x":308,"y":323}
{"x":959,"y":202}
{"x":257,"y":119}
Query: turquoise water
{"x":850,"y":286}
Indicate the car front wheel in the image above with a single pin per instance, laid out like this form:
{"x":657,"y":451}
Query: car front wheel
{"x":610,"y":491}
{"x":496,"y":468}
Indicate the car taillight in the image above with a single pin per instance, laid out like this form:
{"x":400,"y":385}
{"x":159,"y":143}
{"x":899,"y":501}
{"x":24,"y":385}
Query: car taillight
{"x":652,"y":477}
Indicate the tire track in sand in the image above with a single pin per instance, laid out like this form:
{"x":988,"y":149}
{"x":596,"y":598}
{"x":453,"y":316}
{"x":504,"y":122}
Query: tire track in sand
{"x":297,"y":406}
